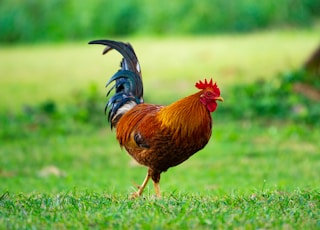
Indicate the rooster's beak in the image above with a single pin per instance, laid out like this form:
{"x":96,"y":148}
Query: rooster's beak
{"x":219,"y":99}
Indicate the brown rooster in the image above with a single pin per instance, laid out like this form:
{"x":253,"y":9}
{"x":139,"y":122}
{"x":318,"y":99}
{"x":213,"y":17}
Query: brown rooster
{"x":157,"y":136}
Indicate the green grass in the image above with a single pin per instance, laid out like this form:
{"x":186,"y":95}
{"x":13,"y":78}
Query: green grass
{"x":89,"y":210}
{"x":242,"y":157}
{"x":251,"y":175}
{"x":32,"y":74}
{"x":64,"y":174}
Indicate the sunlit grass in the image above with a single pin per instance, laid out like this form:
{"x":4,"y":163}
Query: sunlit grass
{"x":82,"y":210}
{"x":249,"y":175}
{"x":240,"y":157}
{"x":29,"y":74}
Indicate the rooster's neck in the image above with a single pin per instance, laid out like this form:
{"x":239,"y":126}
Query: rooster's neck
{"x":187,"y":116}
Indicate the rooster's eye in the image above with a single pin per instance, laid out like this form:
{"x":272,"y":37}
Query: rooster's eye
{"x":209,"y":94}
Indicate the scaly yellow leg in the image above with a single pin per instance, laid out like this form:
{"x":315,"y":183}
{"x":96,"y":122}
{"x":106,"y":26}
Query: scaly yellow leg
{"x":141,"y":188}
{"x":157,"y":189}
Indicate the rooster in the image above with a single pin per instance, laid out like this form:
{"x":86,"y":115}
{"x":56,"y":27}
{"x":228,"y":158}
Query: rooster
{"x":156,"y":136}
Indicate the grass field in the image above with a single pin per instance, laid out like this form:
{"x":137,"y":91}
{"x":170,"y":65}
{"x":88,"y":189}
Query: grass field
{"x":253,"y":173}
{"x":31,"y":74}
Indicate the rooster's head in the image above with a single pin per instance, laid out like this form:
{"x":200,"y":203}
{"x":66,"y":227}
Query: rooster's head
{"x":210,"y":94}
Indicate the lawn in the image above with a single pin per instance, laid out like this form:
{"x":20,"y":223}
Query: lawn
{"x":62,"y":174}
{"x":34,"y":73}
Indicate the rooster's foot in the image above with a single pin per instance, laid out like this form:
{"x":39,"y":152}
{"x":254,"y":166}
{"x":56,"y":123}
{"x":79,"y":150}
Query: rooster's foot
{"x":134,"y":195}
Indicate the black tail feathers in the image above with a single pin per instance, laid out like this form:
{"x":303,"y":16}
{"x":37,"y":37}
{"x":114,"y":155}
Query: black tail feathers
{"x":128,"y":86}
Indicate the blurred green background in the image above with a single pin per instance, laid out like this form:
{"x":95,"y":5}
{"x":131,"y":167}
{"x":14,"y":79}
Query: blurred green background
{"x":59,"y":20}
{"x":54,"y":136}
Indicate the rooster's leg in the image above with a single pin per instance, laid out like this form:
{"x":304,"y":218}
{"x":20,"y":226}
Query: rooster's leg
{"x":157,"y":189}
{"x":141,"y":188}
{"x":155,"y":175}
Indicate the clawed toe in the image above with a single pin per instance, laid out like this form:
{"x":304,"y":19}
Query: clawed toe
{"x":134,"y":195}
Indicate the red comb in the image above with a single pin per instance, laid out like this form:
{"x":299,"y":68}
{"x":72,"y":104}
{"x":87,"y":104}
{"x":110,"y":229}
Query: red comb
{"x":210,"y":84}
{"x":205,"y":84}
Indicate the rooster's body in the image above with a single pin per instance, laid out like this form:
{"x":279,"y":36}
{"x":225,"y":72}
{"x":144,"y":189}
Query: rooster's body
{"x":156,"y":136}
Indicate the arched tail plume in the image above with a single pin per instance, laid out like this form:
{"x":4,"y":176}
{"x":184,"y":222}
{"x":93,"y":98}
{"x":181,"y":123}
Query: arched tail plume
{"x":128,"y":86}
